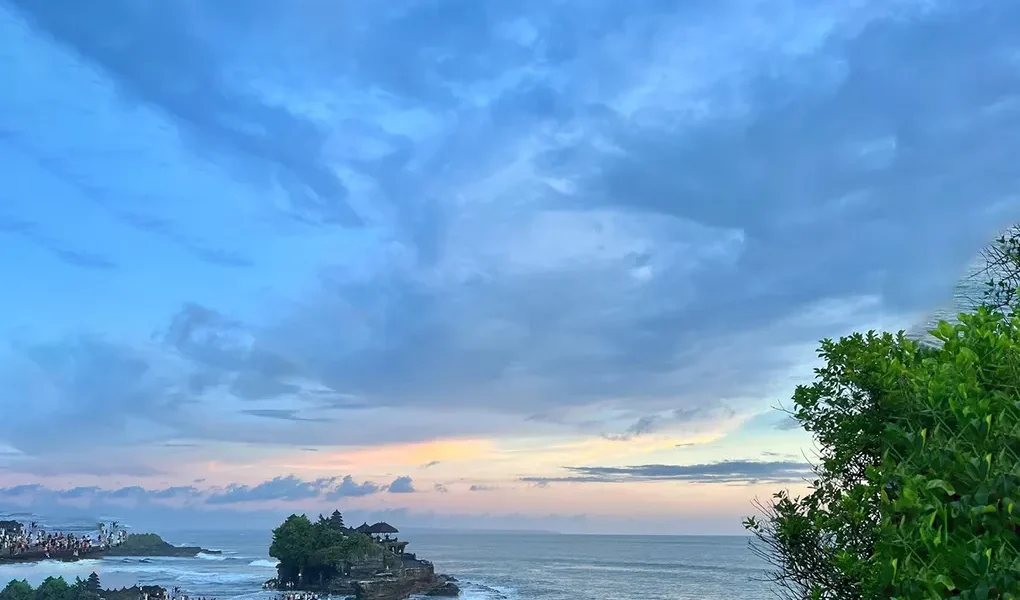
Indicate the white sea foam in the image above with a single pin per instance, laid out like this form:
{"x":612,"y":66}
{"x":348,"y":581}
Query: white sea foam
{"x":271,"y":564}
{"x":37,"y":571}
{"x":205,"y":556}
{"x":170,"y":572}
{"x":479,"y":591}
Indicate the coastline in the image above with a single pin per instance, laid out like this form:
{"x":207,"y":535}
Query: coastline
{"x":489,"y":567}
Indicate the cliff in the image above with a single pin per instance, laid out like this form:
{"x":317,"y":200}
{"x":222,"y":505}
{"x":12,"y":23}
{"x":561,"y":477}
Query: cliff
{"x":150,"y":544}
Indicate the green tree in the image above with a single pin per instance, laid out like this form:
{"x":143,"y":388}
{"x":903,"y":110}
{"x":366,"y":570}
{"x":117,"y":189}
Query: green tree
{"x":293,"y":545}
{"x":918,"y":476}
{"x":17,"y":590}
{"x":53,"y":588}
{"x":313,"y":553}
{"x":820,"y":545}
{"x":93,"y":584}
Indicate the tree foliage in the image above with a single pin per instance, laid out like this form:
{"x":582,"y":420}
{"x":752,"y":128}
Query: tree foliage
{"x":819,"y":545}
{"x":17,"y":590}
{"x":52,"y":588}
{"x":917,"y":479}
{"x":950,"y":472}
{"x":315,"y":552}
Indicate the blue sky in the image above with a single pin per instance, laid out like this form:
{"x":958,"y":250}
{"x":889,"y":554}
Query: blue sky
{"x":566,"y":253}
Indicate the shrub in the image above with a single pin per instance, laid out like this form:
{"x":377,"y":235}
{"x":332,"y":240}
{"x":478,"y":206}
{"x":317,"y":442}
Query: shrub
{"x":950,"y":471}
{"x":917,"y":485}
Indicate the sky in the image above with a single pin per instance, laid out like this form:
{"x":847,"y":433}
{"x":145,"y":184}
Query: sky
{"x":468,"y":263}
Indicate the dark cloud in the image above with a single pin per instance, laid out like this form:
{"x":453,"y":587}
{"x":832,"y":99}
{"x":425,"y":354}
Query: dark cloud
{"x":643,"y":425}
{"x":167,"y":63}
{"x":478,"y":487}
{"x":349,"y":488}
{"x":278,"y":488}
{"x":730,"y":471}
{"x":64,"y":171}
{"x":430,"y":464}
{"x":441,"y":488}
{"x":33,"y":233}
{"x":674,"y":419}
{"x":276,"y":413}
{"x":402,"y":485}
{"x":87,"y":388}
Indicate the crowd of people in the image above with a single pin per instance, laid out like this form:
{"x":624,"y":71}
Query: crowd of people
{"x":176,"y":594}
{"x":32,"y":539}
{"x":272,"y":585}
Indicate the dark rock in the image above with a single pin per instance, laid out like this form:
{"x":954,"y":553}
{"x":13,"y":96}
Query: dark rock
{"x":150,"y":544}
{"x":448,"y":589}
{"x":397,"y":588}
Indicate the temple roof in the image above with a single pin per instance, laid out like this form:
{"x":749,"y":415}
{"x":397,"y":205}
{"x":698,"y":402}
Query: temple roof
{"x":381,"y":527}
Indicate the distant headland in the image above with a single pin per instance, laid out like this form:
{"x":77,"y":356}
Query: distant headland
{"x":368,"y":562}
{"x":28,"y":542}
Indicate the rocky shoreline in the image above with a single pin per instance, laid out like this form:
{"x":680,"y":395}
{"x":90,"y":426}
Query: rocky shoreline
{"x":394,"y":586}
{"x":135,"y":544}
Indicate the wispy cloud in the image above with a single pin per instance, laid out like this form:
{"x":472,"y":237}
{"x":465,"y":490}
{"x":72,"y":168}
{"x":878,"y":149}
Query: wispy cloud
{"x":730,"y":471}
{"x":288,"y":488}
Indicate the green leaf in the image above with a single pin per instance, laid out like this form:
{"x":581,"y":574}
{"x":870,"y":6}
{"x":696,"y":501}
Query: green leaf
{"x":941,"y":484}
{"x":946,"y":582}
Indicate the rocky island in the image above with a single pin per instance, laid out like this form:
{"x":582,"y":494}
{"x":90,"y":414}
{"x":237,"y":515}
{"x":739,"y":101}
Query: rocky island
{"x":150,"y":544}
{"x":366,"y":562}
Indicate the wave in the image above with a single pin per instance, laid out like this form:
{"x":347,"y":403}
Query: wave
{"x":37,"y":571}
{"x":472,"y":590}
{"x":169,"y":572}
{"x":205,"y":556}
{"x":264,"y":563}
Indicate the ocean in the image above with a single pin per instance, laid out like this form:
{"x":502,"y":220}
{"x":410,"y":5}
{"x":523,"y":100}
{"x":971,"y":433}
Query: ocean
{"x":497,"y":566}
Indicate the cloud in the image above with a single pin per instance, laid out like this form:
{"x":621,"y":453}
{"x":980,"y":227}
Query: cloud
{"x":441,"y":488}
{"x":787,"y":423}
{"x":402,"y":485}
{"x":74,"y":257}
{"x":275,"y":413}
{"x":349,"y":488}
{"x":278,"y":488}
{"x":687,"y":418}
{"x":430,"y":464}
{"x":478,"y":487}
{"x":729,"y":471}
{"x":288,"y":488}
{"x":570,"y":212}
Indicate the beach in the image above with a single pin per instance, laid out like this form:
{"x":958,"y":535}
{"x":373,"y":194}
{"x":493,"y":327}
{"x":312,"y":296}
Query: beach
{"x":490,"y":566}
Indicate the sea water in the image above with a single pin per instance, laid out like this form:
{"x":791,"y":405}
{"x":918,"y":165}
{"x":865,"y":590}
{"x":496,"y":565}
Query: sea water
{"x":496,"y":566}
